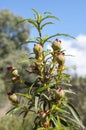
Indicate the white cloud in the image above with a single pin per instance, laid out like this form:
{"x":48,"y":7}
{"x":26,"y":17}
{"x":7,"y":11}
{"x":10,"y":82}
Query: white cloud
{"x":77,"y":48}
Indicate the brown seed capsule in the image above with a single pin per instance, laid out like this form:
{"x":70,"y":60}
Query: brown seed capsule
{"x":10,"y":68}
{"x":15,"y":78}
{"x":39,"y":58}
{"x":60,"y":58}
{"x":43,"y":113}
{"x":15,"y":72}
{"x":12,"y":97}
{"x":46,"y":124}
{"x":56,"y":45}
{"x":60,"y":92}
{"x":37,"y":49}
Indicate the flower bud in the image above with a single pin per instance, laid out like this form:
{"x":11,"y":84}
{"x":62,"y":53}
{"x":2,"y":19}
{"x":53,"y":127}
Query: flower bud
{"x":12,"y":96}
{"x":39,"y":58}
{"x":60,"y":92}
{"x":56,"y":45}
{"x":37,"y":49}
{"x":46,"y":124}
{"x":58,"y":102}
{"x":10,"y":68}
{"x":15,"y":72}
{"x":60,"y":58}
{"x":43,"y":114}
{"x":15,"y":78}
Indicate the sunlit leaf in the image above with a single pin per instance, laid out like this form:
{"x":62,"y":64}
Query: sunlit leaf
{"x":22,"y":21}
{"x":47,"y":12}
{"x":45,"y":24}
{"x":58,"y":34}
{"x":54,"y":120}
{"x":36,"y":12}
{"x":45,"y":96}
{"x":50,"y":16}
{"x":69,"y":91}
{"x":10,"y":110}
{"x":24,"y":95}
{"x":33,"y":23}
{"x":36,"y":103}
{"x":58,"y":123}
{"x":75,"y":114}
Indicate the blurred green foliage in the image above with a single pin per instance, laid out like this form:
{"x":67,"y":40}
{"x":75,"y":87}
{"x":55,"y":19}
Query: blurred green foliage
{"x":15,"y":123}
{"x":79,"y":100}
{"x":12,"y":36}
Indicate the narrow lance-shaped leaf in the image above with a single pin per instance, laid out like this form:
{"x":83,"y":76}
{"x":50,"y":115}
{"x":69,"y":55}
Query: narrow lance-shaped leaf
{"x":22,"y":21}
{"x":54,"y":120}
{"x":36,"y":12}
{"x":10,"y":110}
{"x":24,"y":95}
{"x":75,"y":114}
{"x":47,"y":12}
{"x":42,"y":26}
{"x":33,"y":22}
{"x":28,"y":41}
{"x":50,"y":16}
{"x":58,"y":123}
{"x":59,"y":34}
{"x":36,"y":103}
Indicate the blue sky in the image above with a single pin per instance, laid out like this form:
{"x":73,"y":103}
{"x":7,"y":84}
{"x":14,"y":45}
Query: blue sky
{"x":71,"y":12}
{"x":73,"y":21}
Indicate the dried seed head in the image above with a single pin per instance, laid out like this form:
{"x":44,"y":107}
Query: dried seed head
{"x":37,"y":49}
{"x":12,"y":96}
{"x":60,"y":57}
{"x":56,"y":45}
{"x":10,"y":68}
{"x":43,"y":114}
{"x":15,"y":72}
{"x":60,"y":92}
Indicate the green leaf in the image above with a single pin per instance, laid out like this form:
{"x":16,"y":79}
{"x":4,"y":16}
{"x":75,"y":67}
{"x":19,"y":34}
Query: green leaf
{"x":73,"y":111}
{"x":42,"y":26}
{"x":10,"y":110}
{"x":58,"y":34}
{"x":36,"y":12}
{"x":59,"y":123}
{"x":43,"y":88}
{"x":24,"y":95}
{"x":55,"y":107}
{"x":28,"y":41}
{"x":41,"y":128}
{"x":22,"y":21}
{"x":65,"y":84}
{"x":36,"y":103}
{"x":54,"y":120}
{"x":14,"y":109}
{"x":69,"y":91}
{"x":45,"y":96}
{"x":49,"y":16}
{"x":47,"y":12}
{"x":33,"y":23}
{"x":75,"y":114}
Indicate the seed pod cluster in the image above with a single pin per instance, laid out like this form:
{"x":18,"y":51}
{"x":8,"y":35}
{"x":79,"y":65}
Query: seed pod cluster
{"x":13,"y":98}
{"x":38,"y":52}
{"x":56,"y":45}
{"x":14,"y":72}
{"x":58,"y":55}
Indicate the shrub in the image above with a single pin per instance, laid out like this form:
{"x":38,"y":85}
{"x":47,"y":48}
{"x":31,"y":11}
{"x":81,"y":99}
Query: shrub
{"x":47,"y":96}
